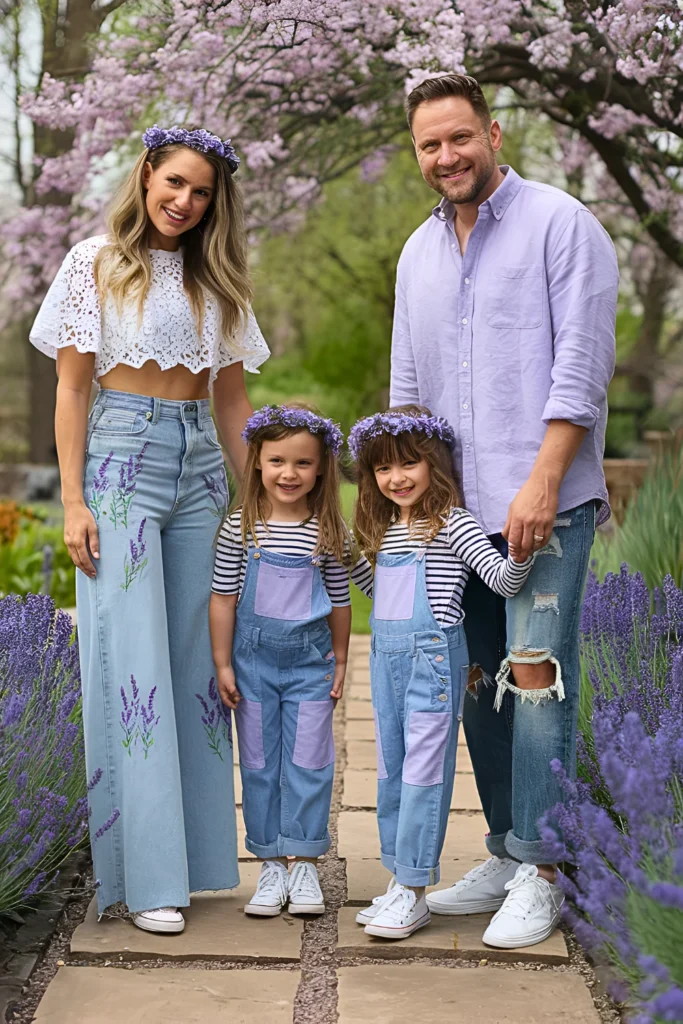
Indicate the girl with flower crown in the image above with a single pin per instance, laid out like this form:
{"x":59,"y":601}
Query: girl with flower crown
{"x":418,"y":546}
{"x":157,"y":312}
{"x":280,"y":623}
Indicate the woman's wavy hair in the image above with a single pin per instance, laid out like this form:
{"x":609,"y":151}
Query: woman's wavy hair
{"x":373,"y":513}
{"x":323,"y":501}
{"x":214,"y":251}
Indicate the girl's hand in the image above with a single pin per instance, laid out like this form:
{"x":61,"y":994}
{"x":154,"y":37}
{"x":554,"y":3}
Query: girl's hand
{"x":81,"y":537}
{"x":338,"y":684}
{"x":227,"y":687}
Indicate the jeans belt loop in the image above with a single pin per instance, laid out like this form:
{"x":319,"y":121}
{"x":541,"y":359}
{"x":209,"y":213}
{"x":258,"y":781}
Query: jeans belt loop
{"x":156,"y":410}
{"x":255,"y":636}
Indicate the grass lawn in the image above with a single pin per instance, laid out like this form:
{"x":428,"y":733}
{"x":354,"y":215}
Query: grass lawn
{"x":360,"y":604}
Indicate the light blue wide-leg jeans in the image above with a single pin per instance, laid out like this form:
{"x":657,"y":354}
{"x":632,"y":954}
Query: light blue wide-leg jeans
{"x":158,"y":739}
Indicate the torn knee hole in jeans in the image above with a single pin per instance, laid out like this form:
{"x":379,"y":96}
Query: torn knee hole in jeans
{"x":546,"y":602}
{"x":553,"y":547}
{"x":528,"y":656}
{"x":477,"y":677}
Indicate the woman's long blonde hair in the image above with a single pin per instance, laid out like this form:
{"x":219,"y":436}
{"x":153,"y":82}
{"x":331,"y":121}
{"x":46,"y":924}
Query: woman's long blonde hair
{"x":214,"y":251}
{"x":373,"y":513}
{"x":323,"y":501}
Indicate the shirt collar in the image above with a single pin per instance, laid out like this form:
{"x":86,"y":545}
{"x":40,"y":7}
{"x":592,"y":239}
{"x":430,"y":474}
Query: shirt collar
{"x":498,"y":202}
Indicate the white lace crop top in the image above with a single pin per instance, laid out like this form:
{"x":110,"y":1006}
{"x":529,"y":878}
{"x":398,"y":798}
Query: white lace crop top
{"x":71,"y":314}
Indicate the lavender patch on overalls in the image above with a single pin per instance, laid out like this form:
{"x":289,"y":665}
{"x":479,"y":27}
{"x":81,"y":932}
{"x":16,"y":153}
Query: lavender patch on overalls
{"x":100,"y":486}
{"x":135,"y":563}
{"x":122,"y":497}
{"x":216,"y":719}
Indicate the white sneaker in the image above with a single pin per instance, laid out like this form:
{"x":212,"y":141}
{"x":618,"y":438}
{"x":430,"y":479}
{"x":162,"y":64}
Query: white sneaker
{"x":305,"y":894}
{"x":400,"y":914}
{"x":166,"y":920}
{"x":482,"y":889}
{"x":271,"y":891}
{"x":366,"y":915}
{"x":530,"y":913}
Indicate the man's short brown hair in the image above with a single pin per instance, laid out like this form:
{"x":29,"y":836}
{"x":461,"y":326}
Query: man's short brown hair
{"x":449,"y":85}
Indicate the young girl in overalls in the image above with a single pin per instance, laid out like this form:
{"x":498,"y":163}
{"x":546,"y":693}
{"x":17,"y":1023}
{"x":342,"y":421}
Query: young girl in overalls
{"x":418,"y":547}
{"x":281,"y":649}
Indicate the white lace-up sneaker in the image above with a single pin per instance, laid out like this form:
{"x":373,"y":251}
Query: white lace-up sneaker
{"x":366,"y":915}
{"x":305,"y":894}
{"x":166,"y":920}
{"x":271,"y":891}
{"x":482,"y":889}
{"x":530,"y":913}
{"x":401,"y":913}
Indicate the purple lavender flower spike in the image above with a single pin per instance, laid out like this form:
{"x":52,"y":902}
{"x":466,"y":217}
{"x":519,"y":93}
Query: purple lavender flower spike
{"x":398,"y":423}
{"x":109,"y":823}
{"x":217,"y":720}
{"x":123,"y":495}
{"x":148,"y":722}
{"x":100,"y":486}
{"x":199,"y":139}
{"x":297,"y":419}
{"x":217,"y":488}
{"x":134,"y":563}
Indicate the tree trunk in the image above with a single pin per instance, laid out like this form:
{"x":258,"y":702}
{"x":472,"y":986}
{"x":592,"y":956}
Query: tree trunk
{"x":643,"y":362}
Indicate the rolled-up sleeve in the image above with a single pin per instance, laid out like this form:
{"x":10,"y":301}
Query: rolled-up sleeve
{"x":583,"y":283}
{"x":404,"y":389}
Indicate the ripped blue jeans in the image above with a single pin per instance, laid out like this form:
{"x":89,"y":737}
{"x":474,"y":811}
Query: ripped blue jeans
{"x":513,"y":734}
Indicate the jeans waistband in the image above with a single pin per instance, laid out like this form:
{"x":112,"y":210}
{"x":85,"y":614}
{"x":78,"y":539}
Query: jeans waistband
{"x":160,"y":408}
{"x":301,"y":638}
{"x":452,"y":636}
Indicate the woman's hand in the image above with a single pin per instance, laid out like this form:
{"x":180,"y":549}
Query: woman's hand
{"x":227,"y":687}
{"x":81,"y":537}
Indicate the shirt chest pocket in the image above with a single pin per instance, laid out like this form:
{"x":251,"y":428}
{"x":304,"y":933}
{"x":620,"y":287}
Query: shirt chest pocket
{"x":514,"y":297}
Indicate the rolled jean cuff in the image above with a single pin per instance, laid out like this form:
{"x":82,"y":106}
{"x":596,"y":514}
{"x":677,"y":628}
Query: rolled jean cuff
{"x":388,"y":861}
{"x":533,"y":851}
{"x":264,"y":851}
{"x":496,"y":844}
{"x":417,"y":876}
{"x":303,"y":847}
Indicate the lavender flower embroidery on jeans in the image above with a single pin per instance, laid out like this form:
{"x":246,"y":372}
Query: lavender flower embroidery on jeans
{"x":217,"y":486}
{"x":138,"y":719}
{"x":100,"y":486}
{"x":135,"y":562}
{"x":122,"y":496}
{"x":216,"y":720}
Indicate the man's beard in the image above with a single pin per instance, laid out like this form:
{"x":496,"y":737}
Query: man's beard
{"x":466,"y":193}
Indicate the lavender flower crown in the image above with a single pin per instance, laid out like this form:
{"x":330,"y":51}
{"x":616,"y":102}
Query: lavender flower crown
{"x":199,"y":139}
{"x":302,"y":419}
{"x":398,"y":423}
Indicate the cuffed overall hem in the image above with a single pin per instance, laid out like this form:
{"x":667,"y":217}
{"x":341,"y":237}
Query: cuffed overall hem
{"x":388,"y":861}
{"x":527,"y":851}
{"x":284,"y":847}
{"x":496,"y":845}
{"x":417,"y":876}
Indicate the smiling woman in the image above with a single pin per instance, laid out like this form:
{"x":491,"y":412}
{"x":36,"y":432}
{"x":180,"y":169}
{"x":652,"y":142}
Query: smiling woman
{"x":158,"y":312}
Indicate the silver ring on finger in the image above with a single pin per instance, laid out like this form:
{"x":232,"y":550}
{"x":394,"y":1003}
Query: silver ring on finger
{"x":537,"y":537}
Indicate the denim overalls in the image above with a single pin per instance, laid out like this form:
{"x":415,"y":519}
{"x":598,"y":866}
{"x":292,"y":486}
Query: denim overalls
{"x":284,"y":671}
{"x":418,"y":672}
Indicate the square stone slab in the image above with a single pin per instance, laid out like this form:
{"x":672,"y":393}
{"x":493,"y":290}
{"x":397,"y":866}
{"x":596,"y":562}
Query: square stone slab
{"x":216,"y":927}
{"x":359,"y":691}
{"x":94,"y":995}
{"x":444,"y":937}
{"x":405,"y":993}
{"x":360,"y":672}
{"x":360,"y":790}
{"x":361,"y":754}
{"x":360,"y":729}
{"x":359,"y":709}
{"x":368,"y":878}
{"x":238,"y":786}
{"x":359,"y":838}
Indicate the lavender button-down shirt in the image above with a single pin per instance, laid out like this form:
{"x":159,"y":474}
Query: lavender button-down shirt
{"x":516,"y":332}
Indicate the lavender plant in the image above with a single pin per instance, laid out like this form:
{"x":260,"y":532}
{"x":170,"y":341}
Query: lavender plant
{"x":622,"y":822}
{"x":122,"y":496}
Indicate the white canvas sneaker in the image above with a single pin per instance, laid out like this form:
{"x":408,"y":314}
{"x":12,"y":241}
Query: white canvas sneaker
{"x":481,"y":890}
{"x":271,"y":891}
{"x":165,"y":920}
{"x":400,"y":914}
{"x":366,"y":915}
{"x":305,"y":894}
{"x":530,"y":913}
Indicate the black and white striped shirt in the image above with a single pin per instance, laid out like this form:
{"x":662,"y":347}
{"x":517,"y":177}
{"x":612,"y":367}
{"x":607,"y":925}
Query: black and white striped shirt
{"x":230,"y":566}
{"x":459,"y":546}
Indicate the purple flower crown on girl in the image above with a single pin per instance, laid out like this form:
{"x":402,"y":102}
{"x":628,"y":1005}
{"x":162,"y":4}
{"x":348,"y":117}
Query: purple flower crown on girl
{"x":303,"y":419}
{"x":398,"y":423}
{"x":199,"y":139}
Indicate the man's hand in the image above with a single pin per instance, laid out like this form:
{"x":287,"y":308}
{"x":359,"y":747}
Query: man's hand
{"x":338,"y":684}
{"x":530,"y":518}
{"x":227,"y":687}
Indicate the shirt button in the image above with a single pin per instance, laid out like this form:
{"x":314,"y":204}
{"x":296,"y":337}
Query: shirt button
{"x":465,"y":405}
{"x":439,"y":657}
{"x":467,"y":446}
{"x":465,"y":363}
{"x":452,"y":245}
{"x":257,"y":554}
{"x":467,"y":280}
{"x":443,"y":696}
{"x":464,"y":319}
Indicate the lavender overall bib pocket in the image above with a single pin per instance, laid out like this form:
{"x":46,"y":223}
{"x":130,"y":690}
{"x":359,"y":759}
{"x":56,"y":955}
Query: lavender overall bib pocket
{"x":394,"y":592}
{"x":284,"y":592}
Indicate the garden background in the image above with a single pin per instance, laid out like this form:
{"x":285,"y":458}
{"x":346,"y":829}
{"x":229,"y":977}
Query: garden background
{"x":589,"y":95}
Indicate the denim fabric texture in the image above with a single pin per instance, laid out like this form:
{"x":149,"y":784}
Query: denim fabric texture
{"x":418,"y":673}
{"x":284,"y":673}
{"x":511,"y":749}
{"x":154,"y":724}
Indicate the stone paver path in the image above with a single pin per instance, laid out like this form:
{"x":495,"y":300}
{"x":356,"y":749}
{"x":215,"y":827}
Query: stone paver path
{"x":227,"y":968}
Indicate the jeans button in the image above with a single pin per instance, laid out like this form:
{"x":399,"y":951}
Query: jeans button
{"x":435,"y":639}
{"x":328,"y":678}
{"x":443,"y":696}
{"x":439,"y":657}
